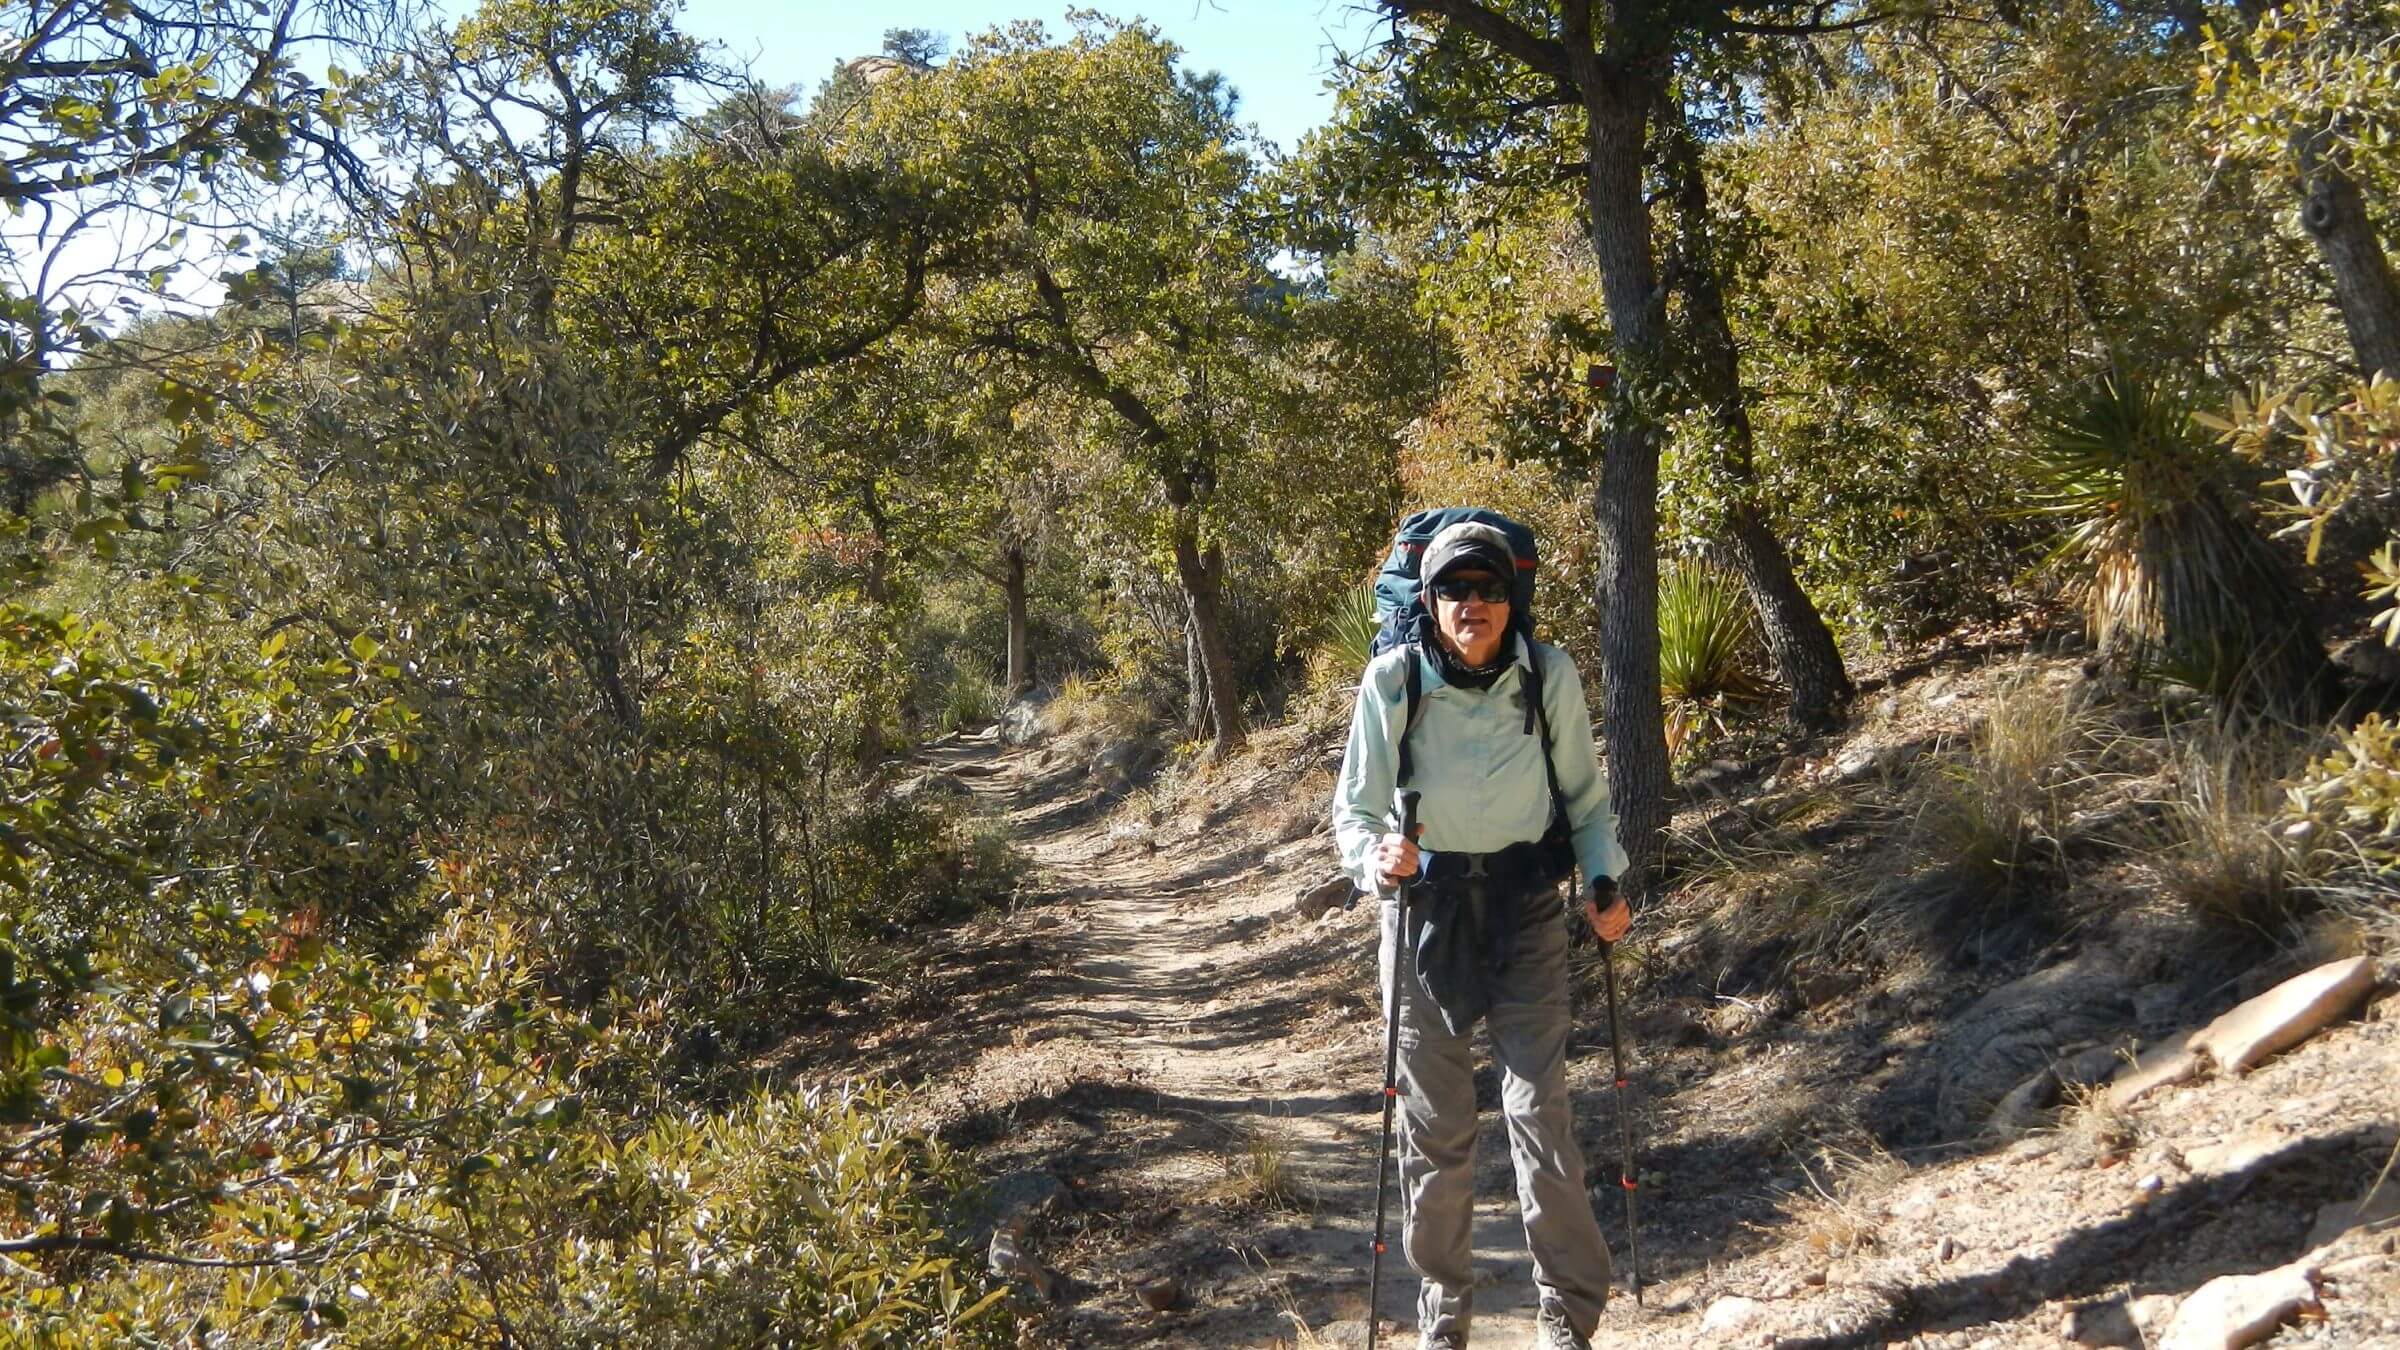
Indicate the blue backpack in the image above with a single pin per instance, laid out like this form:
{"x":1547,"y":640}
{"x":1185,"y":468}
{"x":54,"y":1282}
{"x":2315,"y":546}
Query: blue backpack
{"x":1400,"y":605}
{"x":1399,"y":599}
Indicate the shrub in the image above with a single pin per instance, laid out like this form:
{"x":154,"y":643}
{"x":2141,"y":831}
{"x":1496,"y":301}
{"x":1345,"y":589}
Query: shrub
{"x":418,"y":1153}
{"x":1707,"y":652}
{"x":1345,"y":640}
{"x":2344,"y":811}
{"x":1999,"y":808}
{"x":2172,"y":573}
{"x":972,"y":698}
{"x":2222,"y":856}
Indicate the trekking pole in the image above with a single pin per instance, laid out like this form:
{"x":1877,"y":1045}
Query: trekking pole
{"x":1391,"y":1075}
{"x":1625,"y":1172}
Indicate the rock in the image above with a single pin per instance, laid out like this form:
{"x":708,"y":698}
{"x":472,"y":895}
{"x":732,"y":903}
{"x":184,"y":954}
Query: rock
{"x":1815,"y":1279}
{"x":1857,"y":762}
{"x":1007,"y":1260}
{"x":1020,"y":723}
{"x":1347,"y":1334}
{"x":2165,"y":1064}
{"x":1160,"y":1294}
{"x":2109,"y":1322}
{"x":2286,"y":1015}
{"x":1310,"y":901}
{"x":2233,"y":1311}
{"x":1946,"y":1249}
{"x":1730,"y":1314}
{"x":2340,"y":1217}
{"x":2020,"y":1028}
{"x":1118,"y":765}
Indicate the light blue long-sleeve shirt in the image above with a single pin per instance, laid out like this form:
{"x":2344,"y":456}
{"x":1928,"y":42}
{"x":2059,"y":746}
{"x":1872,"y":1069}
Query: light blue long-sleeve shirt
{"x":1480,"y":771}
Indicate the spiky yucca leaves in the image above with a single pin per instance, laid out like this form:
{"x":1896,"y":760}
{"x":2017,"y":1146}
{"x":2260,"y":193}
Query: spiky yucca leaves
{"x":2174,"y":576}
{"x":1708,"y":649}
{"x":1347,"y":639}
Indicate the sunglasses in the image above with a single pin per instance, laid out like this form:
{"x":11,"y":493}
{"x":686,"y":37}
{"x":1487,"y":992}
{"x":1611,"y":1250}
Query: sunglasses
{"x":1490,"y":590}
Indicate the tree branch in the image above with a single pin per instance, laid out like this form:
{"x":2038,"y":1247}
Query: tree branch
{"x":1546,"y":55}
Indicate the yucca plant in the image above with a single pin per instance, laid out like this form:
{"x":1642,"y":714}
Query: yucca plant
{"x":2174,"y":576}
{"x":1708,"y":666}
{"x":1346,"y":640}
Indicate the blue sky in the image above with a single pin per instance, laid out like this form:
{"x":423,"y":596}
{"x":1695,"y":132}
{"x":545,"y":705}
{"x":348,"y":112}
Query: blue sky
{"x":1276,"y":53}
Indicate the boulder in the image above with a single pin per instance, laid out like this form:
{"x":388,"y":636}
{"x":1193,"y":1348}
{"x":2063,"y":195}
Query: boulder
{"x":1120,"y":764}
{"x":2285,"y":1015}
{"x":2165,"y":1064}
{"x":2233,"y":1311}
{"x":1730,"y":1314}
{"x":2018,"y":1030}
{"x":1310,"y":901}
{"x":1021,"y":723}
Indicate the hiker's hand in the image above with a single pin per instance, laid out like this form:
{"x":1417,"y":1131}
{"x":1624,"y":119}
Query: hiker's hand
{"x":1396,"y":860}
{"x":1611,"y":923}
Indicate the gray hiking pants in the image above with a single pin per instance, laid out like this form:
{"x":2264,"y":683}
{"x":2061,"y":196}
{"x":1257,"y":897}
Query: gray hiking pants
{"x":1528,"y":1024}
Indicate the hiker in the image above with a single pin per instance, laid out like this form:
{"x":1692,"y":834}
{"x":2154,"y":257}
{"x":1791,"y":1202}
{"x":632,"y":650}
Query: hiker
{"x":1500,"y":831}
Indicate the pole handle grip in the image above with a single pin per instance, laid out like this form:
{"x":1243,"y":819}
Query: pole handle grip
{"x":1410,"y":799}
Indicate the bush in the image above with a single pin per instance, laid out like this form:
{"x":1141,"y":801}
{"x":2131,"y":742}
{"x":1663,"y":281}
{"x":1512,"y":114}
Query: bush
{"x":972,"y":698}
{"x":417,"y":1154}
{"x":1993,"y":812}
{"x":2222,"y":855}
{"x":1345,"y":640}
{"x":2344,"y":811}
{"x":2173,"y":575}
{"x":1708,"y":655}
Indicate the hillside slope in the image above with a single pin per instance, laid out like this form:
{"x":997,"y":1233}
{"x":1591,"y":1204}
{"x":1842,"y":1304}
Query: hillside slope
{"x":1170,"y":1069}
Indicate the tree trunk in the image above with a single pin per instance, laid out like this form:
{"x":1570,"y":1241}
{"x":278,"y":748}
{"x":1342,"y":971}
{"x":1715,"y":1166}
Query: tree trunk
{"x":1625,"y":503}
{"x":1803,"y":648}
{"x":1200,"y":576}
{"x":1020,"y":664}
{"x":2335,"y":215}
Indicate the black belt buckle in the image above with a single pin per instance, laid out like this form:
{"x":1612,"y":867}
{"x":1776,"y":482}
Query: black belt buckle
{"x":1476,"y":867}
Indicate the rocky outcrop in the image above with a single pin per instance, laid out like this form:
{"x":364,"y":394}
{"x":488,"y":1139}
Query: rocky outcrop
{"x":2233,"y":1311}
{"x":2020,"y":1030}
{"x":2285,"y":1015}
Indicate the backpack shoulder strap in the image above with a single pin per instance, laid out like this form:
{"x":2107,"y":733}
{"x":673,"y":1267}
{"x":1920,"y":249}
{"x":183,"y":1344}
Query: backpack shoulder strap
{"x":1537,"y":714}
{"x":1414,"y":686}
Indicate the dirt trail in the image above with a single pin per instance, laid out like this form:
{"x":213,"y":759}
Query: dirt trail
{"x":1182,"y":968}
{"x":1186,"y":1068}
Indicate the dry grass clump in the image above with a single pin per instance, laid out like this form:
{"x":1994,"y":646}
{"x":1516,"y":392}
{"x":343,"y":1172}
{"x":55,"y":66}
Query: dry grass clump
{"x":1090,"y":707}
{"x":1835,"y":1214}
{"x":2221,"y":852}
{"x":2105,"y":1126}
{"x":1259,"y":1176}
{"x":2003,"y":805}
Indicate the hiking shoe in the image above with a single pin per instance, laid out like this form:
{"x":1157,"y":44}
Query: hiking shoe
{"x":1448,"y":1340}
{"x":1554,"y":1332}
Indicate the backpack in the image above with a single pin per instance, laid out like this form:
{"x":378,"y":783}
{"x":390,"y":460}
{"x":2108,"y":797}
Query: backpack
{"x":1404,"y":618}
